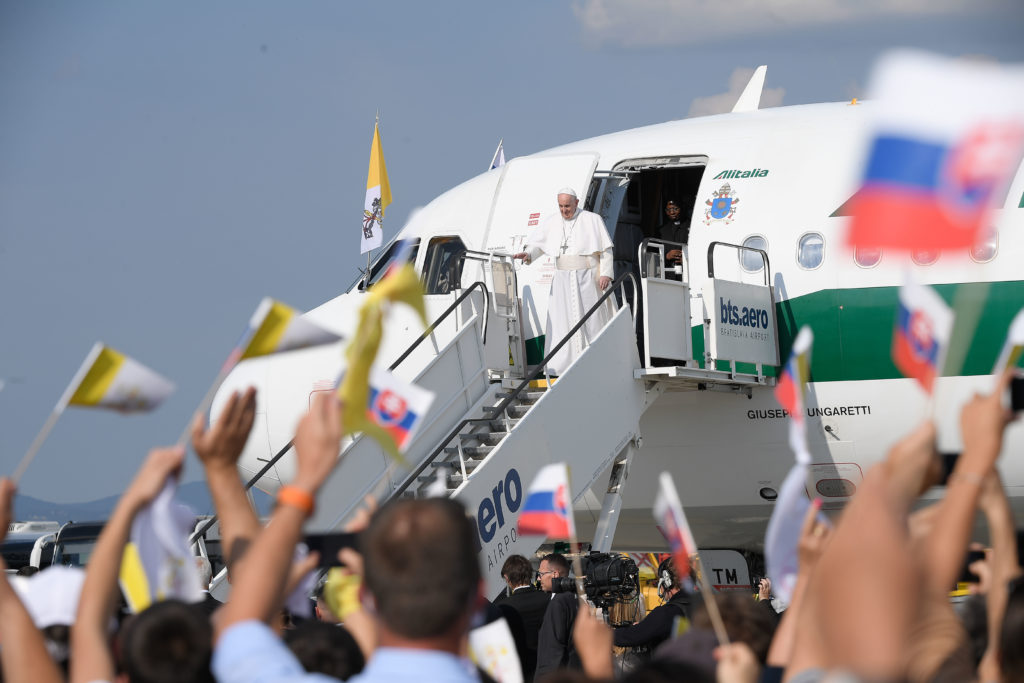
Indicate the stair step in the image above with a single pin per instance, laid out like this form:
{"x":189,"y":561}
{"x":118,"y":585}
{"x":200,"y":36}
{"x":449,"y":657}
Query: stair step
{"x":529,"y":396}
{"x":471,"y":452}
{"x":495,"y":425}
{"x":484,"y":438}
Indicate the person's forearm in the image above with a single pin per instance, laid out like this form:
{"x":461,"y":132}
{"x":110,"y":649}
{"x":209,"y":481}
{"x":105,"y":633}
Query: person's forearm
{"x":237,"y":518}
{"x":951,"y":531}
{"x":91,"y":659}
{"x":257,"y":588}
{"x":781,"y":648}
{"x":607,"y":267}
{"x":24,"y":649}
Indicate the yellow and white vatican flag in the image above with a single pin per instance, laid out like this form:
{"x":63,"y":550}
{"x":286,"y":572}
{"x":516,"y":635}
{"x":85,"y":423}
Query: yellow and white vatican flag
{"x":107,"y":379}
{"x":277,"y":327}
{"x":274,"y":328}
{"x":378,"y":196}
{"x":157,"y":563}
{"x":110,"y":379}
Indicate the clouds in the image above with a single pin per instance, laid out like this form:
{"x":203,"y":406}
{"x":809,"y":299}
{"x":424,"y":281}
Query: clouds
{"x":723,"y":102}
{"x":642,"y":23}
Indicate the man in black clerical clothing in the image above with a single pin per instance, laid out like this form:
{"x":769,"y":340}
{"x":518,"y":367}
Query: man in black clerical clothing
{"x":523,"y":606}
{"x":676,"y":228}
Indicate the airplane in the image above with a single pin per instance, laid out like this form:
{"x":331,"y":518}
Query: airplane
{"x":768,"y":190}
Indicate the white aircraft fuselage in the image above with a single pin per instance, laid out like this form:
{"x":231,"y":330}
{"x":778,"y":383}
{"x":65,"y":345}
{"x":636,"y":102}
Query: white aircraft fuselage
{"x":789,"y":171}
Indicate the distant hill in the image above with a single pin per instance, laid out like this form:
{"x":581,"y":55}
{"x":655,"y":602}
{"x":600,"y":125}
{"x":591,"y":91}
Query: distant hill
{"x":194,"y":494}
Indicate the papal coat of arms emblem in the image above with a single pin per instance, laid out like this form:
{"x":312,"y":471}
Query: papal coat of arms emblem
{"x":721,"y":206}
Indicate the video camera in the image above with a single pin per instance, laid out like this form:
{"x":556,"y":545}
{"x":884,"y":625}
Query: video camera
{"x":607,"y":579}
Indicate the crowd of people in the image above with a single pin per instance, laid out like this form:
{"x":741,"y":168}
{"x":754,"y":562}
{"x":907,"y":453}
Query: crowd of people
{"x":871,"y":600}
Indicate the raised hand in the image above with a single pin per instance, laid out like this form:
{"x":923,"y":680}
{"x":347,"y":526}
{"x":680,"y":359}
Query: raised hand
{"x":222,"y":444}
{"x":160,"y":464}
{"x":317,"y":442}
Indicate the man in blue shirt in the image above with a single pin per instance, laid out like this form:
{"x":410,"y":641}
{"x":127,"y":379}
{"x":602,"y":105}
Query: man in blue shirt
{"x":422,"y":579}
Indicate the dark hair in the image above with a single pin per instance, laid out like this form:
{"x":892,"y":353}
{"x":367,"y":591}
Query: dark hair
{"x":558,"y":560}
{"x":668,"y":671}
{"x":518,"y":570}
{"x":1011,"y":634}
{"x":745,"y":621}
{"x":27,"y":570}
{"x":170,"y":642}
{"x":669,"y":565}
{"x":421,"y":566}
{"x":325,"y":649}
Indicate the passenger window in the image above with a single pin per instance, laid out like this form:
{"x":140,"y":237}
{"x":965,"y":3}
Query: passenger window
{"x":985,"y":251}
{"x":751,"y":261}
{"x":811,"y":250}
{"x":925,"y":257}
{"x":867,"y":257}
{"x":443,"y":265}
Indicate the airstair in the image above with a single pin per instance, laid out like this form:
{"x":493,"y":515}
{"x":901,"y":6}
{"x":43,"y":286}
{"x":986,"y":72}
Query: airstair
{"x":494,"y":426}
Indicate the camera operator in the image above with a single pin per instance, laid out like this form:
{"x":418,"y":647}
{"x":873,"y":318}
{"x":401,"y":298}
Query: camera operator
{"x":657,"y":626}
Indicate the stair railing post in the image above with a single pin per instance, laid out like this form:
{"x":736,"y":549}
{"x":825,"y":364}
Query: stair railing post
{"x":462,"y":462}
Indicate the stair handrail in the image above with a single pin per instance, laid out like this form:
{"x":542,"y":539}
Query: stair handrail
{"x":507,"y":401}
{"x":741,"y":248}
{"x":412,"y":347}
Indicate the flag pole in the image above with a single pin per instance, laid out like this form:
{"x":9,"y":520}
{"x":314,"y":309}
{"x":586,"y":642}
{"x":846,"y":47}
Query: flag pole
{"x":58,"y":410}
{"x":711,"y":603}
{"x":26,"y":460}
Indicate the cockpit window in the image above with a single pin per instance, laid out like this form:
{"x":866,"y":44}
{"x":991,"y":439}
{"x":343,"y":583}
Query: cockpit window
{"x":443,"y":266}
{"x":384,"y":261}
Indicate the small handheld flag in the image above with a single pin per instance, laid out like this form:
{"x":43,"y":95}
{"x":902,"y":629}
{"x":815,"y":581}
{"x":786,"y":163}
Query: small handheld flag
{"x":397,"y":408}
{"x":107,"y":379}
{"x":400,"y":284}
{"x":110,"y":379}
{"x":671,"y":521}
{"x":1013,"y":346}
{"x":276,"y":327}
{"x":157,"y":563}
{"x":547,"y":510}
{"x":923,"y":326}
{"x":792,"y":389}
{"x":378,"y":197}
{"x":273,"y":328}
{"x":935,"y":171}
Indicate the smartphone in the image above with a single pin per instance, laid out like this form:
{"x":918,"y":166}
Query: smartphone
{"x":1017,"y":394}
{"x":948,"y":463}
{"x":965,"y":574}
{"x":328,"y":546}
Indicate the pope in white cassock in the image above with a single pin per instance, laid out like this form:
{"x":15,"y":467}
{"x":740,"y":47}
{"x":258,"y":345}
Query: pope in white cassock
{"x":579,"y":242}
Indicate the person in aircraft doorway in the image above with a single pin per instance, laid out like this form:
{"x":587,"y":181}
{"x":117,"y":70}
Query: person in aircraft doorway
{"x":676,"y":228}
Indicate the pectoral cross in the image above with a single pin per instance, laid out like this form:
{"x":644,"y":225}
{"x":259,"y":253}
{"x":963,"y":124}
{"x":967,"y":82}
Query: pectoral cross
{"x":565,"y":248}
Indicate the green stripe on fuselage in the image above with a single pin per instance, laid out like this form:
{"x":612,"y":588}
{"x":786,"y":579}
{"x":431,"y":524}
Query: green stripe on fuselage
{"x":853,"y":329}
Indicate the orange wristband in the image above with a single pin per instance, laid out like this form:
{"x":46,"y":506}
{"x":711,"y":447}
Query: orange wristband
{"x":297,"y":498}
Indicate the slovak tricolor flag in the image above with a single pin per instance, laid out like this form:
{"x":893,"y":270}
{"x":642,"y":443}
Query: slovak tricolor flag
{"x":548,"y":507}
{"x":924,"y":324}
{"x":396,"y":406}
{"x":671,"y":520}
{"x":792,"y":387}
{"x":948,"y":135}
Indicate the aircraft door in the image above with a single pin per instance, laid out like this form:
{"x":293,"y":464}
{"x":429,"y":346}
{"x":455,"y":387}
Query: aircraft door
{"x":525,"y":195}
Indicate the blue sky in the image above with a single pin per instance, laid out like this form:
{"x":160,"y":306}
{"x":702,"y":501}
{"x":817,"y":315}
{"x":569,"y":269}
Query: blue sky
{"x":163,"y":166}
